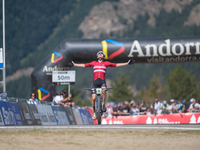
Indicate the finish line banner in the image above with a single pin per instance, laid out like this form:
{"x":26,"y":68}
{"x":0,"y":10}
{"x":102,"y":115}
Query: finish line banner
{"x":184,"y":118}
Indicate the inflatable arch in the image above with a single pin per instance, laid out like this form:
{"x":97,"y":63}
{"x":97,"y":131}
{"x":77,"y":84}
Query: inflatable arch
{"x":165,"y":50}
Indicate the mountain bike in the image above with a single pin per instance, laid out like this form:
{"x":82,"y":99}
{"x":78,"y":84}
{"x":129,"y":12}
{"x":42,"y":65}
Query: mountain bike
{"x":99,"y":101}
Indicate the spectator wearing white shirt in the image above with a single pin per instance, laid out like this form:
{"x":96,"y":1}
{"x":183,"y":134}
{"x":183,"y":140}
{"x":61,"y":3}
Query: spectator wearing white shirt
{"x":134,"y":110}
{"x":57,"y":99}
{"x":170,"y":106}
{"x":175,"y":107}
{"x":191,"y":103}
{"x":33,"y":99}
{"x":195,"y":106}
{"x":157,"y":106}
{"x":67,"y":100}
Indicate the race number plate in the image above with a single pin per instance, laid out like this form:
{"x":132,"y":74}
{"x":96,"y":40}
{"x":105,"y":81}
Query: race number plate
{"x":98,"y":90}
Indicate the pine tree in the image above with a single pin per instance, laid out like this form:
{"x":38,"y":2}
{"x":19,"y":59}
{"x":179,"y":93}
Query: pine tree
{"x":182,"y":84}
{"x":154,"y":87}
{"x":121,"y":90}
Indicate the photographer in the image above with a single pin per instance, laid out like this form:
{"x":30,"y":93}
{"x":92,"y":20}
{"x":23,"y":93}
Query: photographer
{"x":165,"y":108}
{"x":67,"y":101}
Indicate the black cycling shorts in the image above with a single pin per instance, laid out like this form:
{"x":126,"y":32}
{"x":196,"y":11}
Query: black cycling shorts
{"x":98,"y":83}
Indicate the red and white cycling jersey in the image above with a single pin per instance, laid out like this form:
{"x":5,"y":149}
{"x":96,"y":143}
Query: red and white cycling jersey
{"x":99,"y":68}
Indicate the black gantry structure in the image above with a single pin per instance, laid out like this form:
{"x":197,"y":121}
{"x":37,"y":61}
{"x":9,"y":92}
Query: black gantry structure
{"x":162,"y":50}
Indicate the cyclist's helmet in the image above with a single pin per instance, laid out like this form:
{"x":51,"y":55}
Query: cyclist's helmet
{"x":100,"y":52}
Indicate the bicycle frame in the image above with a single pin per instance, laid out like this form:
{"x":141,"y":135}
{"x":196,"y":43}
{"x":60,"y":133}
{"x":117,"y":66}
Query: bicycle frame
{"x":98,"y":101}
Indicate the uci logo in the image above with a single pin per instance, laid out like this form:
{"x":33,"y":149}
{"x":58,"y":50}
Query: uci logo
{"x":116,"y":53}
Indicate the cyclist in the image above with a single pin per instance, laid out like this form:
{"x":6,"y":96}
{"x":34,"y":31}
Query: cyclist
{"x":99,"y":68}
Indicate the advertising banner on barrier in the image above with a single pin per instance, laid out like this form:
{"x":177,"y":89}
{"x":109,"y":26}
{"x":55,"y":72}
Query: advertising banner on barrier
{"x":87,"y":113}
{"x":1,"y":114}
{"x":43,"y":115}
{"x":16,"y":114}
{"x":6,"y":114}
{"x":60,"y":115}
{"x":84,"y":117}
{"x":184,"y":118}
{"x":34,"y":114}
{"x":11,"y":114}
{"x":25,"y":115}
{"x":77,"y":116}
{"x":51,"y":118}
{"x":70,"y":115}
{"x":91,"y":113}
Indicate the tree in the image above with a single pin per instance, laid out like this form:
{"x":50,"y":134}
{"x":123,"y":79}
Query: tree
{"x":154,"y":87}
{"x":182,"y":84}
{"x":121,"y":90}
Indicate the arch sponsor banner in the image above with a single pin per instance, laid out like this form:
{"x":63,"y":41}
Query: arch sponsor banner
{"x":16,"y":112}
{"x":70,"y":115}
{"x":34,"y":114}
{"x":50,"y":114}
{"x":25,"y":115}
{"x":77,"y":116}
{"x":187,"y":118}
{"x":60,"y":115}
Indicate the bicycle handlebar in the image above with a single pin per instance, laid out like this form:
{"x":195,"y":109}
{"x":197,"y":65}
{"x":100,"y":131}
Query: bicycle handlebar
{"x":90,"y":89}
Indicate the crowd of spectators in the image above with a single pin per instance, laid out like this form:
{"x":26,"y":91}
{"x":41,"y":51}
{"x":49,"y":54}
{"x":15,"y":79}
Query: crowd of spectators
{"x":157,"y":107}
{"x":128,"y":108}
{"x":60,"y":99}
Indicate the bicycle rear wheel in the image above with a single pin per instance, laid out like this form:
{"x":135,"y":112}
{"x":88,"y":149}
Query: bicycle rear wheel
{"x":99,"y":110}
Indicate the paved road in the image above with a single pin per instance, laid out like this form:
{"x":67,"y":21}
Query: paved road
{"x":130,"y":127}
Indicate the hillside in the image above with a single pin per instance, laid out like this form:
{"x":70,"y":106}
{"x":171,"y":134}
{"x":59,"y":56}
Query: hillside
{"x":41,"y":26}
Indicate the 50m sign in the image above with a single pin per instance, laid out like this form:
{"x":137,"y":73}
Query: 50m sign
{"x":63,"y":76}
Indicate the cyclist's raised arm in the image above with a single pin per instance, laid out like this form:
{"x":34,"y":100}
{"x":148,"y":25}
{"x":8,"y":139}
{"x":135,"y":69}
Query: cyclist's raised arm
{"x":79,"y":65}
{"x":130,"y":62}
{"x":121,"y":64}
{"x":71,"y":64}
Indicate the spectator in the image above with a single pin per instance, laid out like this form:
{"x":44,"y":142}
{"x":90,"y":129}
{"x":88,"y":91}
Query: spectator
{"x":134,"y":110}
{"x":131,"y":104}
{"x":143,"y":108}
{"x":157,"y":106}
{"x":115,"y":109}
{"x":57,"y":99}
{"x":109,"y":110}
{"x":66,"y":100}
{"x":152,"y":109}
{"x":127,"y":105}
{"x":33,"y":99}
{"x":121,"y":107}
{"x":137,"y":105}
{"x":195,"y":106}
{"x":170,"y":106}
{"x":182,"y":108}
{"x":191,"y":103}
{"x":164,"y":108}
{"x":86,"y":107}
{"x":175,"y":107}
{"x":124,"y":110}
{"x":73,"y":106}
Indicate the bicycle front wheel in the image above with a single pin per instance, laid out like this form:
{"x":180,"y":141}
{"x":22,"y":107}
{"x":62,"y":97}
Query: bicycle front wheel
{"x":99,"y":110}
